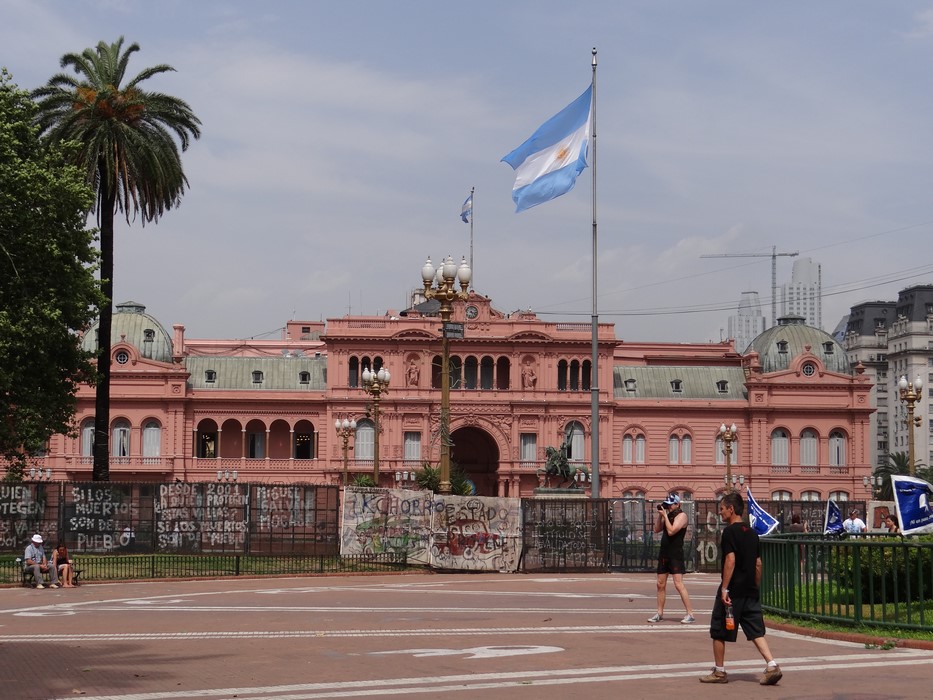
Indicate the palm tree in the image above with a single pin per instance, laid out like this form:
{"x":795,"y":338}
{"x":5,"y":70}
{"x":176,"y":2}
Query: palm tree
{"x":126,"y":145}
{"x":898,"y":463}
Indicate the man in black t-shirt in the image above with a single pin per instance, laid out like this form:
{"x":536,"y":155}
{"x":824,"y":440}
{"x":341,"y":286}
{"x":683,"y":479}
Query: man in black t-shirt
{"x":741,"y":577}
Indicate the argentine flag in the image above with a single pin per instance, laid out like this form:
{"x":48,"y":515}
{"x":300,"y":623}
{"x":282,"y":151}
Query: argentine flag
{"x":466,"y":212}
{"x":914,"y":500}
{"x":761,"y":520}
{"x":547,"y":164}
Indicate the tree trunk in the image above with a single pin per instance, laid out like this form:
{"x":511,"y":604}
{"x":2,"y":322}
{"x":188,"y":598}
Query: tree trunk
{"x":104,"y":333}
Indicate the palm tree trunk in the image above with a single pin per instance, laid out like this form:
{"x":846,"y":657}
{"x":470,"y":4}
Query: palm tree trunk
{"x":102,"y":400}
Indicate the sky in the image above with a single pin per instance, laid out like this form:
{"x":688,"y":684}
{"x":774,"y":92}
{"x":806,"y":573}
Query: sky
{"x":340,"y":139}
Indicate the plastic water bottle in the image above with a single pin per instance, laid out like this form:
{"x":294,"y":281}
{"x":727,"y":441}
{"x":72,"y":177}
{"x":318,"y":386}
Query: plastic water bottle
{"x":730,"y":618}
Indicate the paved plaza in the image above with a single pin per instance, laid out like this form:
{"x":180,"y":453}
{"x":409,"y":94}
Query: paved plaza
{"x":490,"y":636}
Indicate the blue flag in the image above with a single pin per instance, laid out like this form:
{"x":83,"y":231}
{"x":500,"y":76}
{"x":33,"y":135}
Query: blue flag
{"x":466,"y":212}
{"x":761,"y":520}
{"x":914,"y":500}
{"x":547,"y":164}
{"x":832,"y":522}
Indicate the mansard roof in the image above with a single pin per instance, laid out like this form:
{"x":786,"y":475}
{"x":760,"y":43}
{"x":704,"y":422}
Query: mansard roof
{"x":661,"y":382}
{"x":236,"y":373}
{"x":779,"y":345}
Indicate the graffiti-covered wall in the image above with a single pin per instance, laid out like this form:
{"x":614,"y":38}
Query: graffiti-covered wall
{"x":448,"y":532}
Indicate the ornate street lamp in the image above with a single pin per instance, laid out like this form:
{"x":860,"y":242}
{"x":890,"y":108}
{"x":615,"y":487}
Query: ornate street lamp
{"x":911,"y":393}
{"x":227,"y":475}
{"x":872,"y":484}
{"x":376,"y":384}
{"x":404,"y":480}
{"x":345,"y":428}
{"x":738,"y":481}
{"x":728,"y":436}
{"x":40,"y":474}
{"x":439,"y":284}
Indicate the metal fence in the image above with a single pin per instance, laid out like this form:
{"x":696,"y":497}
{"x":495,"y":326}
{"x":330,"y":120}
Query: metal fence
{"x":876,"y":580}
{"x":182,"y":518}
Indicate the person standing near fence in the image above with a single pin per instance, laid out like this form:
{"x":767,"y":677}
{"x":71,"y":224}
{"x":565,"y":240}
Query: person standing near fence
{"x":672,"y":521}
{"x":737,"y":601}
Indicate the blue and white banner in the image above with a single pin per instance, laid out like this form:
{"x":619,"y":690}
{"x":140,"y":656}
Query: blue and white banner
{"x":466,"y":212}
{"x":761,"y":520}
{"x":547,"y":164}
{"x":832,"y":522}
{"x":914,"y":500}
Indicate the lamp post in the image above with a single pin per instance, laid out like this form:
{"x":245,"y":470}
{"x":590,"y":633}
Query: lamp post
{"x":728,"y":436}
{"x":872,"y":483}
{"x":911,"y":393}
{"x":376,"y":384}
{"x":345,"y":428}
{"x":439,"y":284}
{"x":737,"y":481}
{"x":227,"y":475}
{"x":40,"y":474}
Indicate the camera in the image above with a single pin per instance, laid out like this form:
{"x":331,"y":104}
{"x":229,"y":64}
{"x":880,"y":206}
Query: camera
{"x":663,"y":506}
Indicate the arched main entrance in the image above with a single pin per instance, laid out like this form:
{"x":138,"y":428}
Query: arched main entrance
{"x":477,"y":455}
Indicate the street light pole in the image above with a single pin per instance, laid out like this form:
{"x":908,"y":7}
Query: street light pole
{"x":376,"y":384}
{"x":728,"y":436}
{"x":911,"y":393}
{"x":439,"y":284}
{"x":345,"y":429}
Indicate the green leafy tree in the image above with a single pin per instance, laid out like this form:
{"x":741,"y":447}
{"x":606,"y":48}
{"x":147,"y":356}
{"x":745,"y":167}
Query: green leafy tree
{"x":898,"y":463}
{"x":127,"y":150}
{"x":48,"y":291}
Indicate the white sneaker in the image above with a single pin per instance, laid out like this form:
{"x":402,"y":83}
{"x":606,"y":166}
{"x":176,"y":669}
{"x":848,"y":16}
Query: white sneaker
{"x":39,"y":585}
{"x":657,"y":617}
{"x":54,"y":585}
{"x":688,"y":620}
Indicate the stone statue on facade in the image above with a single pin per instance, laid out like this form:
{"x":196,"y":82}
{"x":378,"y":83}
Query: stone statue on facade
{"x":557,"y":465}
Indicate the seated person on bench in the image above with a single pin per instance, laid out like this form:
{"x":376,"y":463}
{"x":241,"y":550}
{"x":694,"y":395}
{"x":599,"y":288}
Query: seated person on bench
{"x":63,"y":565}
{"x":34,"y":560}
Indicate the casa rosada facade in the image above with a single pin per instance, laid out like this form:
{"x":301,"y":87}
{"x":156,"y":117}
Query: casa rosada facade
{"x":265,"y":410}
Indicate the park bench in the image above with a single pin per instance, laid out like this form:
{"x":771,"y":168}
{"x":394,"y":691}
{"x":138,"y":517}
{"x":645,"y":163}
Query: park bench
{"x":29,"y":579}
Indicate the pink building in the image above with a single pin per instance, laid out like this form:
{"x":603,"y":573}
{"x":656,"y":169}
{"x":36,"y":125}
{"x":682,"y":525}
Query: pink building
{"x":190,"y":409}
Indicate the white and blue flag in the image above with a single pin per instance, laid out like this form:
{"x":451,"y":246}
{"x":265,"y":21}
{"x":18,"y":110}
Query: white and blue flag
{"x":547,"y":164}
{"x":832,"y":522}
{"x":914,"y":500}
{"x":761,"y":520}
{"x":466,"y":212}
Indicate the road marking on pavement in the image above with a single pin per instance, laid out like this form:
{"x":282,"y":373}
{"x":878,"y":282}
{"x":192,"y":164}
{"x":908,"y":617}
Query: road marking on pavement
{"x":516,"y":679}
{"x":474,"y":652}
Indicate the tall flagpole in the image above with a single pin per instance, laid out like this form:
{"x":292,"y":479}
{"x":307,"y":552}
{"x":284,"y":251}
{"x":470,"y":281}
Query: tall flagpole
{"x":594,"y":383}
{"x":472,"y":214}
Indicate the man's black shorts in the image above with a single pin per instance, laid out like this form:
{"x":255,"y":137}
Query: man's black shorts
{"x":748,"y":616}
{"x":670,"y":565}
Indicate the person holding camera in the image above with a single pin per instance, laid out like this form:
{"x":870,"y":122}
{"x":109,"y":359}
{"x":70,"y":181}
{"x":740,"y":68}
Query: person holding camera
{"x":672,"y":521}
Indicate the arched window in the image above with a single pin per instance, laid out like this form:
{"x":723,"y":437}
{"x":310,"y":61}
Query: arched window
{"x":152,"y":439}
{"x":810,"y":496}
{"x":436,"y":364}
{"x":575,"y":375}
{"x":686,"y":450}
{"x":575,"y":431}
{"x":586,"y":379}
{"x":780,"y":495}
{"x":633,"y":493}
{"x":779,"y":456}
{"x":485,"y":373}
{"x":456,"y":371}
{"x":679,"y":449}
{"x":562,"y":375}
{"x":839,"y":496}
{"x":120,"y":439}
{"x":639,"y":449}
{"x":502,"y":373}
{"x":470,"y":373}
{"x":628,"y":449}
{"x":837,"y":449}
{"x":87,"y":438}
{"x":809,"y":448}
{"x":673,"y":449}
{"x":363,"y":447}
{"x":257,"y":377}
{"x":304,"y":377}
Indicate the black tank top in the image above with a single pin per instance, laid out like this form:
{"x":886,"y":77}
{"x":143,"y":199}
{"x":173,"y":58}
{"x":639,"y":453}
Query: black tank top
{"x":672,"y":546}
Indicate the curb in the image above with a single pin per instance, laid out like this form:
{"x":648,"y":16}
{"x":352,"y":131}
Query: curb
{"x":858,"y":638}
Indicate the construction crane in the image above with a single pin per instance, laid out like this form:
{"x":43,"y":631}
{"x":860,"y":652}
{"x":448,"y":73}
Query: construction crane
{"x":774,"y":256}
